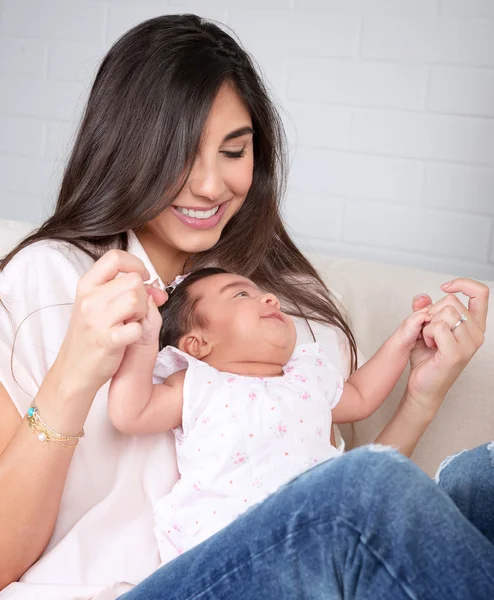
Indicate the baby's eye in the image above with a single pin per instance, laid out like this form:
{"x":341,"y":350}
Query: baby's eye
{"x":241,"y":295}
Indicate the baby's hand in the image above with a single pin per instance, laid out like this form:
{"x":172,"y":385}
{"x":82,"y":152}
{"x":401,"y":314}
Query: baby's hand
{"x":410,"y":330}
{"x":150,"y":325}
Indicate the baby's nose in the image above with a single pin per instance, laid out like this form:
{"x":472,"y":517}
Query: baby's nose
{"x":271,"y":299}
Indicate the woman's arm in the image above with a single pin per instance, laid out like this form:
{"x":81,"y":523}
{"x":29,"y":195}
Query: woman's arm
{"x":407,"y":425}
{"x":32,"y":475}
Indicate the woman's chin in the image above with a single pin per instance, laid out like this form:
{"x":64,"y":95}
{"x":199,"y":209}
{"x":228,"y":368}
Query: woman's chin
{"x":192,"y":244}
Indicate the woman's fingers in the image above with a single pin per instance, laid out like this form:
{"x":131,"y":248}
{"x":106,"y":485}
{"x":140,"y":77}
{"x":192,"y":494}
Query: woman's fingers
{"x":126,"y":282}
{"x":478,"y":295}
{"x":128,"y":306}
{"x":454,"y":307}
{"x":448,"y":314}
{"x":458,"y":339}
{"x":439,"y":334}
{"x":124,"y":335}
{"x":109,"y":266}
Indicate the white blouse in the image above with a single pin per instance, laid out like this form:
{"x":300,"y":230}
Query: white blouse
{"x":104,"y":531}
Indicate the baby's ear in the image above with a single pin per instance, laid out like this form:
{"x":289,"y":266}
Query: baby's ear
{"x":196,"y":344}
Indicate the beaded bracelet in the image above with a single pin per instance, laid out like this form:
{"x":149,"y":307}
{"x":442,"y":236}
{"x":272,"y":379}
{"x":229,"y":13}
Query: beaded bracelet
{"x":45,"y":434}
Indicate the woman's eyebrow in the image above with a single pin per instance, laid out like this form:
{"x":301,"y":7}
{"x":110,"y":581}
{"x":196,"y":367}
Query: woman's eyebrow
{"x":237,"y":133}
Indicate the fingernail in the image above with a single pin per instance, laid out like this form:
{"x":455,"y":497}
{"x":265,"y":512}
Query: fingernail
{"x":420,"y":296}
{"x":156,"y":284}
{"x":447,"y":284}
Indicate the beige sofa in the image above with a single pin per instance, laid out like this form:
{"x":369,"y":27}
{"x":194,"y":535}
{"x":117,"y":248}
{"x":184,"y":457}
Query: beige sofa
{"x":377,"y":297}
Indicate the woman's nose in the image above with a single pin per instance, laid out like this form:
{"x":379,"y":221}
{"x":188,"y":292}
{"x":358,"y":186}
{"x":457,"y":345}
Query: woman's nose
{"x":271,"y":299}
{"x":206,"y":180}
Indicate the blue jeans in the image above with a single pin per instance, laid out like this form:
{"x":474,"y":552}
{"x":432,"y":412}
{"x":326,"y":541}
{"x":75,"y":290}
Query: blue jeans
{"x":369,"y":524}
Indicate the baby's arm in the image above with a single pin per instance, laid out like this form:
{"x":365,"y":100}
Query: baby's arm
{"x":369,"y":386}
{"x":135,"y":404}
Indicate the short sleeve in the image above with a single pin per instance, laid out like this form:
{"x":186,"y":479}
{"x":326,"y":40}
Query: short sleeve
{"x":37,"y":291}
{"x":332,"y":341}
{"x":330,"y":378}
{"x":169,"y":361}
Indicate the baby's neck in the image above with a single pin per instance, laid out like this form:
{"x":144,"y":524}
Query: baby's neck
{"x":248,"y":369}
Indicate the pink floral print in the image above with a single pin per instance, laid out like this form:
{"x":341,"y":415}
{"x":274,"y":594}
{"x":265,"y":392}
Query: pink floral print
{"x":239,"y":457}
{"x":279,"y":429}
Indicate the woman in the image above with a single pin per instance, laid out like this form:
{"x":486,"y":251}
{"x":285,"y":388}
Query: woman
{"x":179,"y":164}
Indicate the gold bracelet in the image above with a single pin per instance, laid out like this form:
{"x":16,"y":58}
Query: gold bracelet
{"x":45,"y":434}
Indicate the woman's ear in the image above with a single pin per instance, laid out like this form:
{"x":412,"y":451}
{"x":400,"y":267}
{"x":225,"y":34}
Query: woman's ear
{"x":196,"y":344}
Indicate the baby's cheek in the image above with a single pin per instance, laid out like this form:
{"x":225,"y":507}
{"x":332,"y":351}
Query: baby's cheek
{"x":247,"y":329}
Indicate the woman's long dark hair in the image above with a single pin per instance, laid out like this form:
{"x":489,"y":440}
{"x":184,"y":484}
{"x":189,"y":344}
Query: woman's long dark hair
{"x":137,"y":143}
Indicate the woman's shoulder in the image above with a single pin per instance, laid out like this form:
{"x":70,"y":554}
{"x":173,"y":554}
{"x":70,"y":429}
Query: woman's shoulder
{"x":43,"y":273}
{"x":37,"y":290}
{"x":45,"y":256}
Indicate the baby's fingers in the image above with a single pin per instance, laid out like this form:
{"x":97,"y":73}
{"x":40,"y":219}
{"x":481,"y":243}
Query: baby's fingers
{"x":154,"y":316}
{"x":418,"y":319}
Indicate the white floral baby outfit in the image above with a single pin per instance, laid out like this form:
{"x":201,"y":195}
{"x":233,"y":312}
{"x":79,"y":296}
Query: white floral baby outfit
{"x":242,"y":438}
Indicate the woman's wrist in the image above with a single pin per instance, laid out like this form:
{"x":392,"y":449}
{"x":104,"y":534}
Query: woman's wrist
{"x":420,"y":409}
{"x":407,"y":425}
{"x":64,"y":403}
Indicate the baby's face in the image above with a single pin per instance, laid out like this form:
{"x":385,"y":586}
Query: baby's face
{"x":243,"y":321}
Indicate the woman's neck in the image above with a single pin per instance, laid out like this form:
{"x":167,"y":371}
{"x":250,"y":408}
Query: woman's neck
{"x":167,"y":261}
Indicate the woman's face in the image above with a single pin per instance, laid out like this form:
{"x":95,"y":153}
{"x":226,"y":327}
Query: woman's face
{"x":218,"y":183}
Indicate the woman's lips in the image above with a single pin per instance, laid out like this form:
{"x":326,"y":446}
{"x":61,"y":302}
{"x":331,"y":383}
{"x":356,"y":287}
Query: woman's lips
{"x":195,"y":223}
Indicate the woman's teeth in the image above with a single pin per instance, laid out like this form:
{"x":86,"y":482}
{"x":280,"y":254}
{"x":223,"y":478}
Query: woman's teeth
{"x":198,"y":214}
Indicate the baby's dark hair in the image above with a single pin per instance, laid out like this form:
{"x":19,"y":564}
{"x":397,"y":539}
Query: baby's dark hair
{"x":178,"y":313}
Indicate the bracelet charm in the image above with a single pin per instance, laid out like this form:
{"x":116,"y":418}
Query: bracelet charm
{"x":45,"y":434}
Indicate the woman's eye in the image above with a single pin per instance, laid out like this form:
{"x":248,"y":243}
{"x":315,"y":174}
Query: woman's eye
{"x":233,"y":154}
{"x":241,"y":295}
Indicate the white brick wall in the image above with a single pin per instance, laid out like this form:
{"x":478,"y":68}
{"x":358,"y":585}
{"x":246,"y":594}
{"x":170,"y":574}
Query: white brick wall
{"x":389,"y":108}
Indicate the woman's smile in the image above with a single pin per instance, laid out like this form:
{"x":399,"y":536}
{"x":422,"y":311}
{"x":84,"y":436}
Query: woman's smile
{"x":198,"y":218}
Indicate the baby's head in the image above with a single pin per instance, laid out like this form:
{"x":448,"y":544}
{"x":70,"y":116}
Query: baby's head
{"x":226,"y":319}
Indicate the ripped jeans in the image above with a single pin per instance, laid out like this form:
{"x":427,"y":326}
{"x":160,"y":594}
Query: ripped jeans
{"x":367,"y":525}
{"x":468,"y":479}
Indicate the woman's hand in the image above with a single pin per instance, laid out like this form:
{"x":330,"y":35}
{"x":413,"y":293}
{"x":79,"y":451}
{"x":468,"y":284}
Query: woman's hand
{"x":106,"y":318}
{"x":441,"y":355}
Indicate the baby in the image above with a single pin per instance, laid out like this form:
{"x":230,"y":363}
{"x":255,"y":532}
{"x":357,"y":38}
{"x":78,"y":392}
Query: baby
{"x":250,"y":410}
